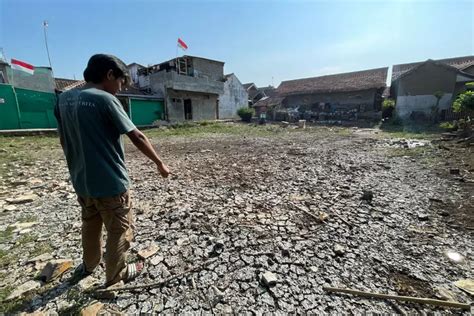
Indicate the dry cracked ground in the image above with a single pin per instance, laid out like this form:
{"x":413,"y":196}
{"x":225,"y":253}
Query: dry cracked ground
{"x":268,"y":216}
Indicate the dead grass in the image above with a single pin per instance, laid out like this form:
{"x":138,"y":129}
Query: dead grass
{"x":26,"y":149}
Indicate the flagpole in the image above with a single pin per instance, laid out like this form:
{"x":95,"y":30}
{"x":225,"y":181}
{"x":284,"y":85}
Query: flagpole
{"x":16,"y":99}
{"x":45,"y":26}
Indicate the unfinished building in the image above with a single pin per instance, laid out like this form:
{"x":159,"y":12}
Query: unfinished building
{"x":190,"y":87}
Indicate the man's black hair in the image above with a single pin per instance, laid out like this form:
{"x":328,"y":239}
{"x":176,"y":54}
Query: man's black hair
{"x":100,"y":64}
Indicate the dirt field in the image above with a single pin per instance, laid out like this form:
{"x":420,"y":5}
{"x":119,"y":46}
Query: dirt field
{"x":340,"y":207}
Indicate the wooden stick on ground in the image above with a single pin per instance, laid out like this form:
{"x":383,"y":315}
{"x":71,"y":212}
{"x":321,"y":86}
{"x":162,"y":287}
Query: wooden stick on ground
{"x":301,"y":208}
{"x":157,"y":284}
{"x":400,"y":298}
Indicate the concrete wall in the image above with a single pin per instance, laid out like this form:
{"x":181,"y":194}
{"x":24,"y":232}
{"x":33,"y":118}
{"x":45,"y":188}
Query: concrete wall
{"x":426,"y":80}
{"x":143,"y":82}
{"x":233,"y":98}
{"x":426,"y":104}
{"x":204,"y":106}
{"x":171,"y":80}
{"x":208,"y":69}
{"x":41,"y":80}
{"x":133,"y":70}
{"x":360,"y":100}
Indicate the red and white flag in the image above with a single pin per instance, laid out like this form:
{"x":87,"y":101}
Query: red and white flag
{"x":182,"y":44}
{"x":22,"y":66}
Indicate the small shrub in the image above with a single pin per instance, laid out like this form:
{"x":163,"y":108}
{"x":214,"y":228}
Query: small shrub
{"x":450,"y":126}
{"x":388,"y":106}
{"x":246,"y":113}
{"x":464,"y":101}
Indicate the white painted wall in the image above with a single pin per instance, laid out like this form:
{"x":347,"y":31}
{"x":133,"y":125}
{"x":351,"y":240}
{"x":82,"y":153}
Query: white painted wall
{"x":234,"y":97}
{"x":405,"y":105}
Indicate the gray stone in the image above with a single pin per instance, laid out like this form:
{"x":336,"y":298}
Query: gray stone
{"x":87,"y":283}
{"x":339,"y":250}
{"x":268,"y":279}
{"x":156,"y":260}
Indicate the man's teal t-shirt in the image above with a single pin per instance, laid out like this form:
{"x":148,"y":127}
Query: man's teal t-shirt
{"x":91,"y":122}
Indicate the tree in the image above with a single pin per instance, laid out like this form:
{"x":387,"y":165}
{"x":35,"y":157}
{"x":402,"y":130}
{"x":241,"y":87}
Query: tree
{"x":438,"y":95}
{"x":464,"y":102}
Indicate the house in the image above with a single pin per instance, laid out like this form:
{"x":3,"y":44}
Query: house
{"x":255,"y":93}
{"x":234,"y":97}
{"x":133,"y":69}
{"x":427,"y":90}
{"x":142,"y":108}
{"x":190,"y":86}
{"x":465,"y":64}
{"x":267,"y":104}
{"x":340,"y":96}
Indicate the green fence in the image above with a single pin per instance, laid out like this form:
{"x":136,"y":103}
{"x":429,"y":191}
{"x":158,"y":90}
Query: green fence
{"x":34,"y":109}
{"x":8,"y":108}
{"x":145,"y":112}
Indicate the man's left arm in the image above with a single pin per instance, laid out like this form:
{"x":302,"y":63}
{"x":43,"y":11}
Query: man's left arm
{"x":57,"y":114}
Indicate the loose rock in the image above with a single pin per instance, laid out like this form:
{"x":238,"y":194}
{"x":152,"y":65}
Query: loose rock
{"x":268,"y":279}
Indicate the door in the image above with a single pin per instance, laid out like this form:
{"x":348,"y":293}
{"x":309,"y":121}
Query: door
{"x":145,"y":112}
{"x":188,"y":109}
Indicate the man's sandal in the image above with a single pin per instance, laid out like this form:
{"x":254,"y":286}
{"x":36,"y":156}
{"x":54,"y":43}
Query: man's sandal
{"x":134,"y":270}
{"x":79,"y":273}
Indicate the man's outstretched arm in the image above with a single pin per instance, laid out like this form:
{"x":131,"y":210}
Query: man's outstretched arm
{"x":143,"y":144}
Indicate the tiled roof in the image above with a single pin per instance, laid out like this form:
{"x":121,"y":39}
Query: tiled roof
{"x":248,"y":85}
{"x":62,"y":84}
{"x":269,"y":101}
{"x":68,"y":84}
{"x":268,"y":91}
{"x":350,"y":81}
{"x":457,"y":62}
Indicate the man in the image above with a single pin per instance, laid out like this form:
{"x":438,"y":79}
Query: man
{"x":91,"y":121}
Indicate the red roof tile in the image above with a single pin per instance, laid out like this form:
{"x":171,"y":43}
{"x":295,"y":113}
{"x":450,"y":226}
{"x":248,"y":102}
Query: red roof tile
{"x":350,"y":81}
{"x":457,"y":62}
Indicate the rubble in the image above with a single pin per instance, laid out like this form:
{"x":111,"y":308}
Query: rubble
{"x":24,"y":288}
{"x":239,"y":200}
{"x":268,"y":279}
{"x":92,"y":310}
{"x":54,"y":269}
{"x":339,"y":250}
{"x":148,"y":252}
{"x":27,"y":198}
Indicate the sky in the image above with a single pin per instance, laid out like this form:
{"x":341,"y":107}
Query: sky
{"x":264,"y":42}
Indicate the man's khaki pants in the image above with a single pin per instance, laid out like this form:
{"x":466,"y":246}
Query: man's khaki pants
{"x":116,"y":215}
